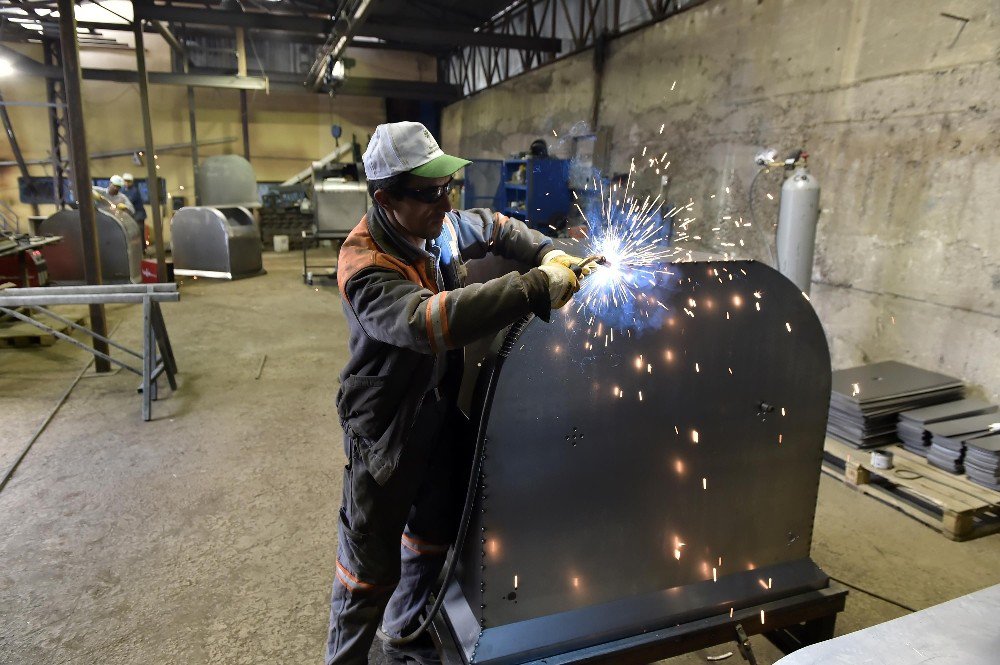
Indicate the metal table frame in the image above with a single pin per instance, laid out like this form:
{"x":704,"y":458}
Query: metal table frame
{"x":309,"y":236}
{"x":790,"y":624}
{"x":157,"y":357}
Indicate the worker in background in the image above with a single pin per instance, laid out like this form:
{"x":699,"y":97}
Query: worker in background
{"x":410,"y":312}
{"x":131,"y":190}
{"x":113,"y":197}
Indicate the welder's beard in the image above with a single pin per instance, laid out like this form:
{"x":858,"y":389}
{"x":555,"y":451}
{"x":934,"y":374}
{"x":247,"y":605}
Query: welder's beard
{"x":421,"y":220}
{"x":426,"y":224}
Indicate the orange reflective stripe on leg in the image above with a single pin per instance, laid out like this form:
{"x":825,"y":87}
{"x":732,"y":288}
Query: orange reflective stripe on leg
{"x":422,"y":546}
{"x":352,"y":582}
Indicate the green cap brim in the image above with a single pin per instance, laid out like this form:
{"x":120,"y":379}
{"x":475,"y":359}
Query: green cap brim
{"x":440,"y":167}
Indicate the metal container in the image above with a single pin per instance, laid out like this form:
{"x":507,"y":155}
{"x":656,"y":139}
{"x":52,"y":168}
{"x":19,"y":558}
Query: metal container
{"x":227,"y":181}
{"x":119,"y":238}
{"x":797,"y":220}
{"x":339,"y":205}
{"x":640,"y":476}
{"x":223,"y":243}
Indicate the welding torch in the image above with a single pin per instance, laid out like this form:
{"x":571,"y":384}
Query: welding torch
{"x":596,"y":259}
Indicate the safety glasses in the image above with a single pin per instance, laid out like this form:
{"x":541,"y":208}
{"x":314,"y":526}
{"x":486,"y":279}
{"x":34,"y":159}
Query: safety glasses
{"x":427,"y":194}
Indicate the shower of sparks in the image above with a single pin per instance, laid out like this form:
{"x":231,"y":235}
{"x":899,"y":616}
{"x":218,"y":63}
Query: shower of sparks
{"x":515,"y":582}
{"x":629,"y":231}
{"x":694,"y":435}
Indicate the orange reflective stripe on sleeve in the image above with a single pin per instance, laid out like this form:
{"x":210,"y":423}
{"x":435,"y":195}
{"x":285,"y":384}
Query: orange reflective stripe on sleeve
{"x":437,"y":322}
{"x":429,"y":322}
{"x":443,"y":311}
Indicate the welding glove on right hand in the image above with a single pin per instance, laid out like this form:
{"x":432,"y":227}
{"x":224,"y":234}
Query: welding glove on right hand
{"x":562,"y":283}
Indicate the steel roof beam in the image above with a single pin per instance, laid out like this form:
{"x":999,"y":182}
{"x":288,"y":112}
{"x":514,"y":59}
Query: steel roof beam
{"x":449,"y":38}
{"x":194,"y":16}
{"x":414,"y":35}
{"x":353,"y":86}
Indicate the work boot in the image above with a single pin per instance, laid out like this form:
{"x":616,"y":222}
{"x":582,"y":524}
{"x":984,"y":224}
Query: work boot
{"x":421,"y":651}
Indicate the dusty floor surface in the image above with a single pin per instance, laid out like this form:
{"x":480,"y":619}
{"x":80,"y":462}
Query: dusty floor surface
{"x":208,"y":535}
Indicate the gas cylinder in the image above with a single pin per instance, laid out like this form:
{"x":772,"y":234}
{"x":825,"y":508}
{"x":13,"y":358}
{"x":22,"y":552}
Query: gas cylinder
{"x":797,"y":218}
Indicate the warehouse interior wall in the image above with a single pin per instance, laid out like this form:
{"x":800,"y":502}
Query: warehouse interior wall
{"x":287,"y":130}
{"x":898,"y":105}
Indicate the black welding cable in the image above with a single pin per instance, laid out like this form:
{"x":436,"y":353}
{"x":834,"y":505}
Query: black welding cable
{"x":456,"y":550}
{"x":470,"y":499}
{"x":874,"y":595}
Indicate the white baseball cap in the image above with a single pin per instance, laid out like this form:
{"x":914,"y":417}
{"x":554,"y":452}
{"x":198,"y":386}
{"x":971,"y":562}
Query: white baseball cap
{"x":117,"y":180}
{"x":407,"y":147}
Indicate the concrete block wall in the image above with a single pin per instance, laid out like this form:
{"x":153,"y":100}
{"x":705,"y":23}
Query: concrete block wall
{"x":897,"y":104}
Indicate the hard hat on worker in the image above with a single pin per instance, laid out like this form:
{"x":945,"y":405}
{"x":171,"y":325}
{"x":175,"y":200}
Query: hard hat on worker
{"x":407,"y":147}
{"x":117,"y":180}
{"x":127,"y":177}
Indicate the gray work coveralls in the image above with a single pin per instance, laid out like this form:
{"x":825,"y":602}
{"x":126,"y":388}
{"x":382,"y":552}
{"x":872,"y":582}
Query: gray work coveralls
{"x":409,"y":313}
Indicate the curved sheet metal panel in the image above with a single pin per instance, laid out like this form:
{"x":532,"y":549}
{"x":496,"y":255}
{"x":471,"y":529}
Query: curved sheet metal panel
{"x":120,"y":245}
{"x":625,"y":472}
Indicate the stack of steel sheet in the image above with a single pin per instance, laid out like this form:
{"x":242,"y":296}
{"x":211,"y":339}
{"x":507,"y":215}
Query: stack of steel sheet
{"x":911,"y":427}
{"x":982,"y":461}
{"x":866,"y":400}
{"x":948,"y":439}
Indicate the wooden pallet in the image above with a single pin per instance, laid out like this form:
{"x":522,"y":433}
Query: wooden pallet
{"x":15,"y":333}
{"x":951,"y":504}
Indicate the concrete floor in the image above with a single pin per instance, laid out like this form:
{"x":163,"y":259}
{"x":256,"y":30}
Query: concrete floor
{"x":208,"y":535}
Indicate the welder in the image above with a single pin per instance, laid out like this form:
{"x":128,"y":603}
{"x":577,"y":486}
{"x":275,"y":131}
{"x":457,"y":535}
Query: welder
{"x":410,"y":311}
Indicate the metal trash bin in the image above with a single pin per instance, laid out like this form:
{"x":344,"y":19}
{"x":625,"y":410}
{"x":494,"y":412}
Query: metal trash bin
{"x":223,"y":243}
{"x":119,"y":238}
{"x":227,"y":180}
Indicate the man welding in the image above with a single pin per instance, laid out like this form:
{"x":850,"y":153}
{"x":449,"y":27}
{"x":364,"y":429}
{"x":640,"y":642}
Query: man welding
{"x":112,"y":195}
{"x":131,"y":190}
{"x":409,"y":310}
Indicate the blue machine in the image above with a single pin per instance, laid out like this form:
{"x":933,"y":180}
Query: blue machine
{"x":536,"y":191}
